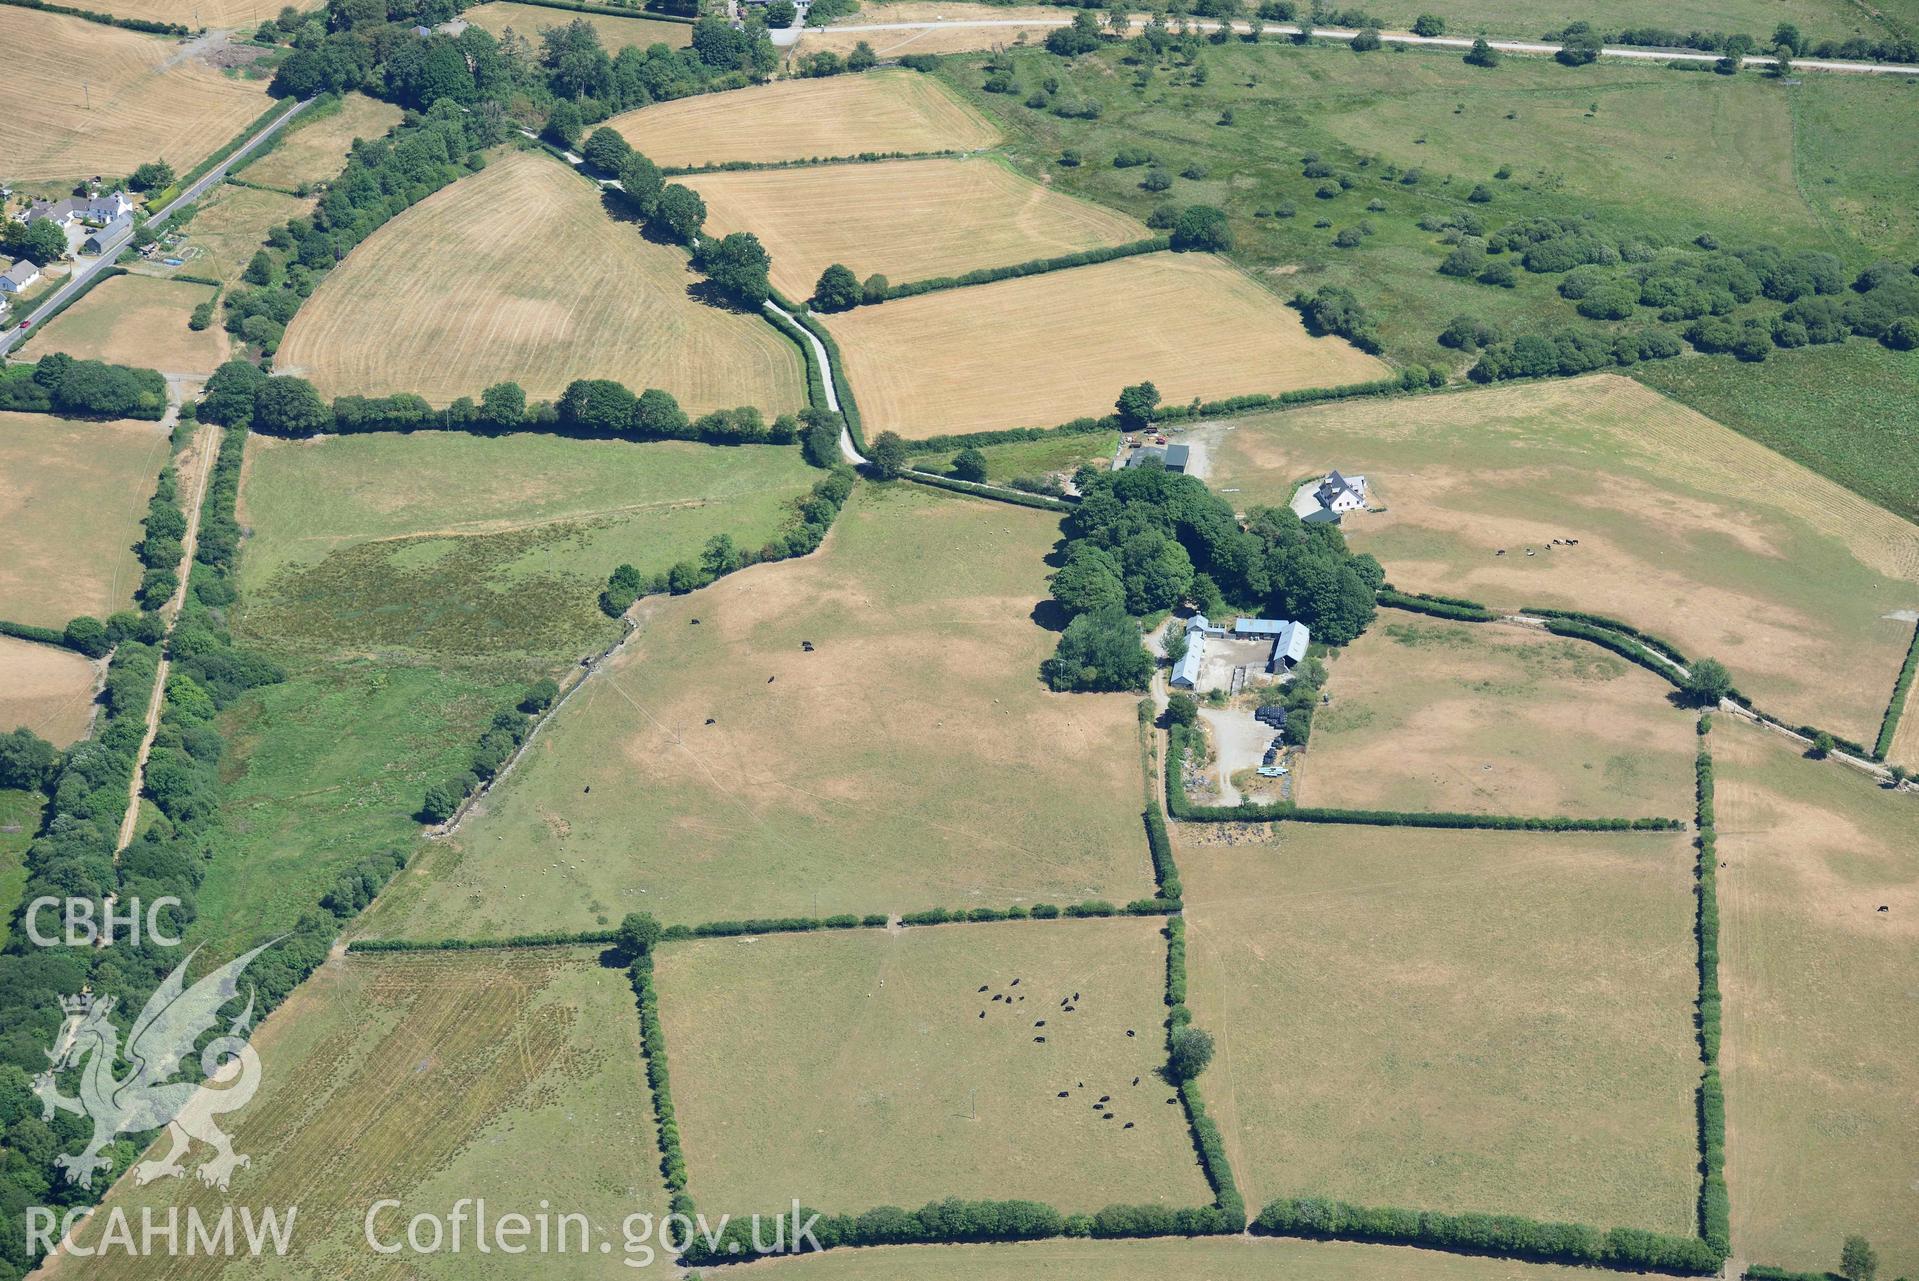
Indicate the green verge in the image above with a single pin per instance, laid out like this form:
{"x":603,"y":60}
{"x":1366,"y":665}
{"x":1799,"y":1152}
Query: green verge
{"x":1901,"y":689}
{"x":1180,"y":807}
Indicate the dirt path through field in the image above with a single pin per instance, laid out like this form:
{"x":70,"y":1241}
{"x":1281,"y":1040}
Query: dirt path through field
{"x":197,"y":468}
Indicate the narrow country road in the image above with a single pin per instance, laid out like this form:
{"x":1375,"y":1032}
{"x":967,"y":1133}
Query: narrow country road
{"x":84,"y":271}
{"x":206,"y":450}
{"x":848,"y":450}
{"x":1408,"y":38}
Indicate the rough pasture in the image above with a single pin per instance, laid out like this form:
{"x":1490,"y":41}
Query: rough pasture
{"x":314,"y":152}
{"x":46,"y":689}
{"x":139,"y":321}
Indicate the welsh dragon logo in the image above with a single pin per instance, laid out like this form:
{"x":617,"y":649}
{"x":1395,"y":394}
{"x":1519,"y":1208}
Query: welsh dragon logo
{"x":146,"y":1098}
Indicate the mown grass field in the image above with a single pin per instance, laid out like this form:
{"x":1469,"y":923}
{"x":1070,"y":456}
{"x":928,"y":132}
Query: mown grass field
{"x":46,"y":689}
{"x":1477,"y":718}
{"x":518,"y":272}
{"x":893,"y":1090}
{"x":808,"y":119}
{"x":905,"y":220}
{"x":427,"y":1079}
{"x":1043,"y":349}
{"x":911,"y":760}
{"x":139,"y":321}
{"x":315,"y":150}
{"x":1195,"y":1259}
{"x":231,"y":227}
{"x":1844,"y":411}
{"x":615,"y":32}
{"x":1821,"y":1140}
{"x":142,"y":107}
{"x":1452,"y":1020}
{"x":20,"y":816}
{"x":1684,"y":528}
{"x":71,"y":498}
{"x":467,"y":547}
{"x":1049,"y":456}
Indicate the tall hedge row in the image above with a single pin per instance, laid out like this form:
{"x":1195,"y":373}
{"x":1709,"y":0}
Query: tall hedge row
{"x":1017,"y":498}
{"x":1033,"y":267}
{"x":1715,"y":1207}
{"x":1463,"y":611}
{"x":1657,"y":644}
{"x":811,"y":162}
{"x":1165,"y":871}
{"x":653,"y":1045}
{"x":1901,"y":689}
{"x":1506,"y":1235}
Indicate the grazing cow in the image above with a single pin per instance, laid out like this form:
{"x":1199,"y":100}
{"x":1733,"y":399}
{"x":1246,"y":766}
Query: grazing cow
{"x":1040,"y":1039}
{"x":1129,"y":1031}
{"x":1106,"y":1116}
{"x":771,"y":679}
{"x":1041,"y":1023}
{"x":807,"y":646}
{"x":983,"y":986}
{"x":1174,"y":1099}
{"x":1105,"y":1098}
{"x":1064,"y":1093}
{"x":1082,"y":1085}
{"x":709,"y":720}
{"x":694,"y":621}
{"x":1127,"y":1126}
{"x":982,"y":1013}
{"x":1014,"y":983}
{"x":1884,"y":908}
{"x":1076,"y":996}
{"x":1135,"y":1080}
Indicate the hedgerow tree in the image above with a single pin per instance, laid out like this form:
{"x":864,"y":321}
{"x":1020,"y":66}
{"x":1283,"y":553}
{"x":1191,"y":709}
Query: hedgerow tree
{"x":1182,"y":709}
{"x":1099,"y":651}
{"x":641,"y":183}
{"x":1858,"y":1261}
{"x":606,"y":150}
{"x":838,"y":289}
{"x":1482,"y":54}
{"x":1707,"y":681}
{"x":1136,"y":404}
{"x":1082,"y":36}
{"x":287,"y":406}
{"x":1191,"y":1051}
{"x":639,"y":931}
{"x":680,"y":213}
{"x":888,"y":453}
{"x":820,"y":439}
{"x":1428,"y":24}
{"x":151,"y":176}
{"x":740,"y":266}
{"x":1202,"y":228}
{"x":503,"y":405}
{"x":970,"y":464}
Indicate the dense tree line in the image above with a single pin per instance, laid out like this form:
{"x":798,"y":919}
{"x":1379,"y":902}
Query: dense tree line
{"x":1715,"y":1208}
{"x":498,"y":742}
{"x":59,"y":384}
{"x":1785,"y":36}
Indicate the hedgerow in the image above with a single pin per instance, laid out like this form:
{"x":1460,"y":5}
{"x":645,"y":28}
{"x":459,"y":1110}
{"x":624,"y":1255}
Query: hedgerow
{"x":1657,"y":644}
{"x":1017,"y":498}
{"x":551,"y":939}
{"x":1504,"y":1235}
{"x":59,"y":384}
{"x":1715,"y":1209}
{"x":811,"y":162}
{"x":1624,"y":646}
{"x":653,"y":1045}
{"x":1901,"y":689}
{"x":1033,"y":267}
{"x":1465,"y":611}
{"x":105,"y":19}
{"x":1165,"y":871}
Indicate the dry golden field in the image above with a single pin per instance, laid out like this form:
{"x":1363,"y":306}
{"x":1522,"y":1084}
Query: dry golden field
{"x":1904,"y":749}
{"x":1039,"y":350}
{"x":193,"y":13}
{"x":140,"y":321}
{"x":1008,"y":25}
{"x":316,"y":152}
{"x":517,"y":272}
{"x":148,"y":100}
{"x":1451,"y":1020}
{"x":1821,"y":1016}
{"x":616,"y":33}
{"x":808,"y":119}
{"x":1474,"y":718}
{"x":904,"y":1084}
{"x":229,"y":229}
{"x":1685,"y":528}
{"x":47,"y":689}
{"x":71,"y":498}
{"x":426,"y":1079}
{"x":906,"y":220}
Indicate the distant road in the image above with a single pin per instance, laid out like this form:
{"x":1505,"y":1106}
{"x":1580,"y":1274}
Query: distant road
{"x":1408,"y":38}
{"x":85,"y":270}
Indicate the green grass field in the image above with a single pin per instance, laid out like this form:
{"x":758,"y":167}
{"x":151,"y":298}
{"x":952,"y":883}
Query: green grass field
{"x":1476,"y":718}
{"x":1844,"y":411}
{"x":327,"y":768}
{"x":428,"y":1079}
{"x":1821,"y":1140}
{"x":1682,"y":527}
{"x":1454,"y":1021}
{"x":718,"y":770}
{"x":481,"y":547}
{"x":1199,"y":1259}
{"x":1051,"y":455}
{"x":891,"y":1089}
{"x":19,"y":822}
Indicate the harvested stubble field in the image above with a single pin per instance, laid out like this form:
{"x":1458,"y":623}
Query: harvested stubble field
{"x":71,"y":498}
{"x":46,"y":689}
{"x":615,"y":32}
{"x":477,"y":546}
{"x":720,"y":771}
{"x":1029,"y":25}
{"x":210,"y":13}
{"x":148,"y":99}
{"x":1486,"y":719}
{"x":229,"y":229}
{"x":315,"y":151}
{"x":1191,"y":1259}
{"x":906,"y":220}
{"x":1452,"y":1020}
{"x":426,"y":1079}
{"x":139,"y":321}
{"x":1685,"y":529}
{"x":1040,"y":350}
{"x":894,"y":1090}
{"x":1820,"y":1016}
{"x":808,"y":119}
{"x":519,"y":272}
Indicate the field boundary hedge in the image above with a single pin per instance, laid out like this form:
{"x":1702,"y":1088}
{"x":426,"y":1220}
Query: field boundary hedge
{"x":1017,"y":497}
{"x":1208,"y":1145}
{"x":849,"y":407}
{"x":812,"y":162}
{"x":1457,"y":609}
{"x":815,"y":377}
{"x":1180,"y":807}
{"x":1715,"y":1204}
{"x":1497,"y":1235}
{"x":1031,"y":267}
{"x":43,"y":635}
{"x":650,"y":15}
{"x":1901,"y":691}
{"x":106,"y":19}
{"x":160,"y":199}
{"x":1657,"y":644}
